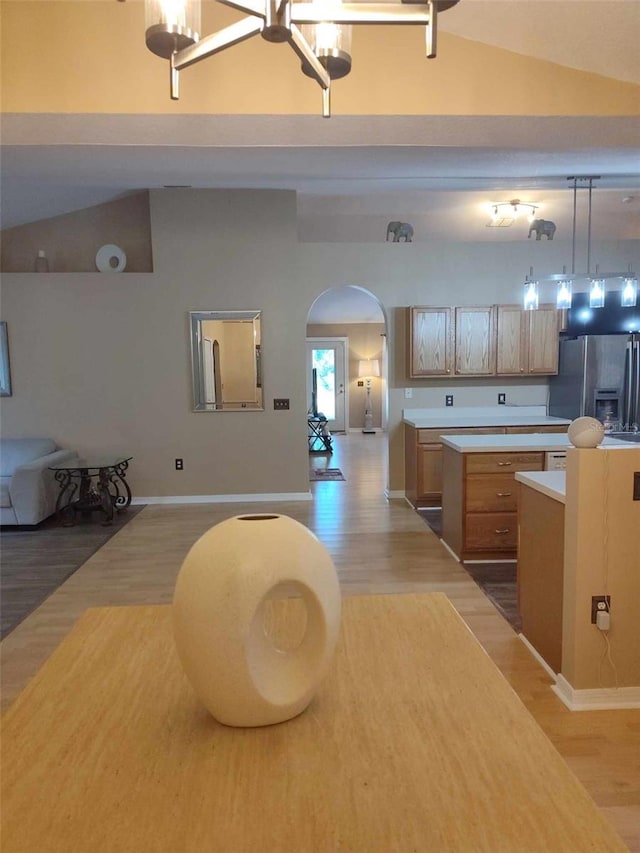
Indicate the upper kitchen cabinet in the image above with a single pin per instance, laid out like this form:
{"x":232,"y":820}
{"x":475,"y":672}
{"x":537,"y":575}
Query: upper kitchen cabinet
{"x":475,"y":353}
{"x":527,"y":341}
{"x":430,"y":342}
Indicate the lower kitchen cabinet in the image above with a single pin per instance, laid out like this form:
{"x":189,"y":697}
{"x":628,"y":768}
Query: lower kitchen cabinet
{"x":479,"y":505}
{"x":423,"y":458}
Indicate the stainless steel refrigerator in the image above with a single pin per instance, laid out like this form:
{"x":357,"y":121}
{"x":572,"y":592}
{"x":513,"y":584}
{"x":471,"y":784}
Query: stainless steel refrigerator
{"x":598,"y":376}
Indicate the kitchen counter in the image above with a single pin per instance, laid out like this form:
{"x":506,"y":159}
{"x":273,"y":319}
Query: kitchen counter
{"x":486,"y":416}
{"x":517,"y":443}
{"x":550,"y":483}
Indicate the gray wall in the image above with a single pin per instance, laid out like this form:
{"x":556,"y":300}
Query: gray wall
{"x":100,"y":362}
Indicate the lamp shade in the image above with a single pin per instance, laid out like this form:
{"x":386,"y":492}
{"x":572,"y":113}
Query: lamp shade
{"x":369,"y":367}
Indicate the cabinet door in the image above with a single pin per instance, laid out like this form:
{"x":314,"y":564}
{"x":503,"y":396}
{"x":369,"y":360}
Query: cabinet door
{"x":430,"y":471}
{"x":511,"y":340}
{"x":543,"y":333}
{"x":430,"y":342}
{"x":475,"y":343}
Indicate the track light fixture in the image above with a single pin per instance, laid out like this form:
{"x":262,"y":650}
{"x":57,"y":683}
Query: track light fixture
{"x":512,"y":209}
{"x":319,"y":32}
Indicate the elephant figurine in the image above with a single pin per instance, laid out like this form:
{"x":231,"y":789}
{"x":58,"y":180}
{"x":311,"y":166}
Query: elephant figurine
{"x":400,"y":230}
{"x":543,"y":226}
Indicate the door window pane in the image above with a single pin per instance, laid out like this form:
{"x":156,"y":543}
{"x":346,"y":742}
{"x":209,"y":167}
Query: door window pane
{"x":324,"y":362}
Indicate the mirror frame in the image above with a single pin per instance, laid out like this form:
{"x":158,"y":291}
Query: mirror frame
{"x":197,"y":365}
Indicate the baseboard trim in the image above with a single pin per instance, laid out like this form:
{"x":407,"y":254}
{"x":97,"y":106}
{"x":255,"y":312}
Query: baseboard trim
{"x":224,"y":499}
{"x":451,"y":551}
{"x":538,"y":657}
{"x":395,"y":494}
{"x":603,"y":699}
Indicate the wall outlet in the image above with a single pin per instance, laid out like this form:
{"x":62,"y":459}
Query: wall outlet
{"x":502,"y":399}
{"x":448,"y":400}
{"x":280,"y":403}
{"x":179,"y":464}
{"x":408,"y":393}
{"x":360,"y":383}
{"x":599,"y":603}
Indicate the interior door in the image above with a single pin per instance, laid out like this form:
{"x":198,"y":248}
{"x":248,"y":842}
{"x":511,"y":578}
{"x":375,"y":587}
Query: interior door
{"x":328,"y":357}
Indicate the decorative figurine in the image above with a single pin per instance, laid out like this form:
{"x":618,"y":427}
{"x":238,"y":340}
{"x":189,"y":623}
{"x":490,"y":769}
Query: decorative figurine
{"x":543,"y":226}
{"x":401,"y":231}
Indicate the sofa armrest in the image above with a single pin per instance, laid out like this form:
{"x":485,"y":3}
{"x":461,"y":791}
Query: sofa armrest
{"x":34,"y":490}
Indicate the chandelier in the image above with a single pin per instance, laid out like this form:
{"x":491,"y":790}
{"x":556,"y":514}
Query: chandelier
{"x":597,"y":283}
{"x":319,"y":32}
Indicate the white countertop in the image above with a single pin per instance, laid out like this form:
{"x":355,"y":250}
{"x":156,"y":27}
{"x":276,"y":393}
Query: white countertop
{"x":518,"y":443}
{"x":481,"y":416}
{"x":550,"y":483}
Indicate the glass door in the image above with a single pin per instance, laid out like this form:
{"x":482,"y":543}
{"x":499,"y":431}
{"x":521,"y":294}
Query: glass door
{"x":327,"y":358}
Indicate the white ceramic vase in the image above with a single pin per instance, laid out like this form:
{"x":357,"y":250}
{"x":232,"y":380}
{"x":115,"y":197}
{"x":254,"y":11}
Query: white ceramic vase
{"x":219,"y":618}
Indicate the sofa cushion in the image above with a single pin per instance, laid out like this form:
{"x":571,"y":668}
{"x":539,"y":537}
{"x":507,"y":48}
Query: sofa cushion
{"x":16,"y":451}
{"x":5,"y":498}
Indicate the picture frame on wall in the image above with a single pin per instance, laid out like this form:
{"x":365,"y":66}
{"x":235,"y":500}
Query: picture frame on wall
{"x":5,"y":369}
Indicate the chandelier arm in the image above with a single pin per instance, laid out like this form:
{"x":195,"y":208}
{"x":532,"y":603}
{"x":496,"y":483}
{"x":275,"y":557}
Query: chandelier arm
{"x":216,"y":42}
{"x":251,"y":7}
{"x":431,"y":31}
{"x":361,"y":13}
{"x":302,"y":47}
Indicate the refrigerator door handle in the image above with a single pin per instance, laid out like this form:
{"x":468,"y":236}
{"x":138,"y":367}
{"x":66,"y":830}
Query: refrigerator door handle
{"x":628,"y":385}
{"x":635,"y":414}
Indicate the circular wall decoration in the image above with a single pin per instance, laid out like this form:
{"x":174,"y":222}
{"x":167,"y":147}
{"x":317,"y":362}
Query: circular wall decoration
{"x":111,"y":258}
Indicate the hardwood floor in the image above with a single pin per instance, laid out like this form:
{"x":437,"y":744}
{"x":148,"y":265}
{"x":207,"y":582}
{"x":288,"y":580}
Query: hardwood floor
{"x":378,"y":546}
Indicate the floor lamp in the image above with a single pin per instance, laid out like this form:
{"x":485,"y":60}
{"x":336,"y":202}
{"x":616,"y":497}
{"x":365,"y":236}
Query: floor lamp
{"x":366,"y":369}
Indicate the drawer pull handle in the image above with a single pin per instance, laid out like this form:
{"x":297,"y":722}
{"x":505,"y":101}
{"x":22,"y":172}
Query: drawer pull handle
{"x":503,"y":494}
{"x":504,"y":463}
{"x":501,"y":532}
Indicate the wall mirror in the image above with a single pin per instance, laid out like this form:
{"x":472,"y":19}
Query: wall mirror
{"x":226,"y":361}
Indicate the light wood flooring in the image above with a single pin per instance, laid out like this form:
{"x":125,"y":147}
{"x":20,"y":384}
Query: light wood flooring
{"x":378,"y":546}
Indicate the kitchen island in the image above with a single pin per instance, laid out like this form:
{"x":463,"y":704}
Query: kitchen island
{"x":479,"y":497}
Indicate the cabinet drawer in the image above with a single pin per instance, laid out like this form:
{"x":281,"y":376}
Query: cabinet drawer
{"x":431,"y":436}
{"x":491,"y":493}
{"x":561,"y":428}
{"x":501,"y":463}
{"x":491,"y":531}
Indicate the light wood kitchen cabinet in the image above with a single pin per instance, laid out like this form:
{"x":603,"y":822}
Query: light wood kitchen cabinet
{"x":527,"y":341}
{"x":479,"y":502}
{"x":474,"y":343}
{"x":430,"y":342}
{"x":489,"y":340}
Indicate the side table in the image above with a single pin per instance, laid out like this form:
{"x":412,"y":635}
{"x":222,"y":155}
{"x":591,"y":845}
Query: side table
{"x":100,"y":485}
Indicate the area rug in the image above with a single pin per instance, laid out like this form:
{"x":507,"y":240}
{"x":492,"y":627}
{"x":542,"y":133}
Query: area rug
{"x":326,"y":474}
{"x":36,"y":561}
{"x":497,"y":580}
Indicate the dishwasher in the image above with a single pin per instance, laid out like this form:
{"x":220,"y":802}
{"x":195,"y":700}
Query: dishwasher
{"x":555,"y":460}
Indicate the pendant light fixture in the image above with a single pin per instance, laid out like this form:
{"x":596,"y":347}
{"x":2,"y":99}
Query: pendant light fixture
{"x":597,"y":283}
{"x":531,"y":293}
{"x":629,"y":292}
{"x":319,"y":32}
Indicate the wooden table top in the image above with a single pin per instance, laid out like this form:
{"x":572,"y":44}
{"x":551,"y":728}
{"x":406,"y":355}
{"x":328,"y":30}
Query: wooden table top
{"x":415,"y":742}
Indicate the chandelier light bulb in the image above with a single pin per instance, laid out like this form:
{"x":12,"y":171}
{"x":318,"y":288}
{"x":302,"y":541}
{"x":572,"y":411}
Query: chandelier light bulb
{"x":629,"y":292}
{"x":531,"y":298}
{"x":563,"y":296}
{"x":596,"y":294}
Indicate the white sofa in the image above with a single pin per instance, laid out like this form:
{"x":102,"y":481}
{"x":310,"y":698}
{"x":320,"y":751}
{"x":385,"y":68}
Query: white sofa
{"x":28,"y":489}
